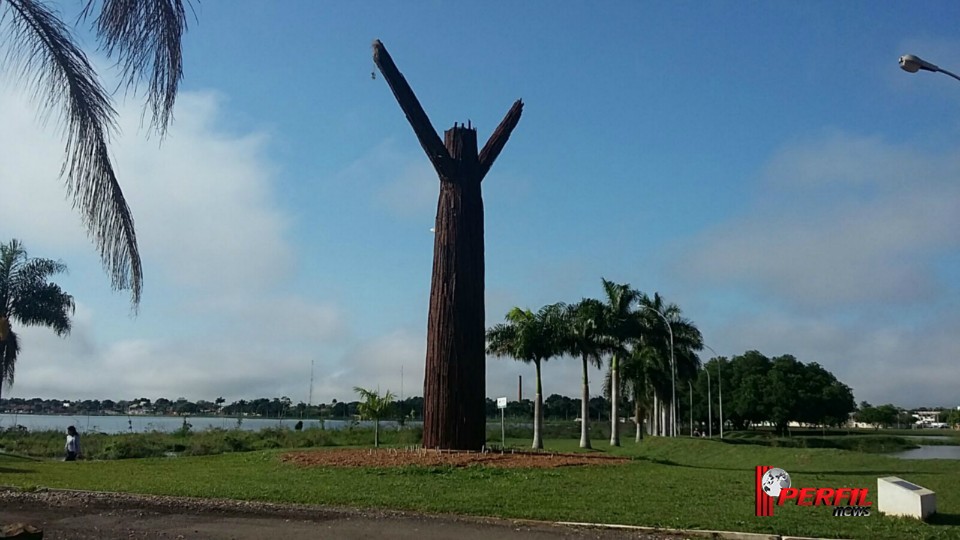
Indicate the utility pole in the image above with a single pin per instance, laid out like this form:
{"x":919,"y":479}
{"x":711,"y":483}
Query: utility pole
{"x":310,"y":399}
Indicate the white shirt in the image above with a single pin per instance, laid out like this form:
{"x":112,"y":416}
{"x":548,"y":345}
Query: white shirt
{"x":73,"y":444}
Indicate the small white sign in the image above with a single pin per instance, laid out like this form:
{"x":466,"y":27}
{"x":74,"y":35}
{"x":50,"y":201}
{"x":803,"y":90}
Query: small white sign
{"x":501,"y":403}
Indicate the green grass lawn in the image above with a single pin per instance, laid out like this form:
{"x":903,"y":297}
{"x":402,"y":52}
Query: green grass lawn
{"x":685,"y":483}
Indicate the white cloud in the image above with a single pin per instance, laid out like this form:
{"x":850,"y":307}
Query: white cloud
{"x":200,"y":200}
{"x":400,"y":181}
{"x":203,"y":201}
{"x":216,"y":318}
{"x":889,"y":361}
{"x":30,"y":169}
{"x":842,"y":220}
{"x":840,"y":260}
{"x":411,"y":191}
{"x":393,"y":362}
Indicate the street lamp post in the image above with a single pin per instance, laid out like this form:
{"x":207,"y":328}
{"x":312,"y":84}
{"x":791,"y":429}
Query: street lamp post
{"x":720,"y":385}
{"x":673,"y":375}
{"x":690,"y":383}
{"x":709,"y":405}
{"x":720,"y":389}
{"x":913,"y":64}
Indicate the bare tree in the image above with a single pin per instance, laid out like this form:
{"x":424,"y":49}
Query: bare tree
{"x":455,"y":375}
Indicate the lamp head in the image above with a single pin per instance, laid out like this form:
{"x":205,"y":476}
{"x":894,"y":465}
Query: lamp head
{"x":913,"y":64}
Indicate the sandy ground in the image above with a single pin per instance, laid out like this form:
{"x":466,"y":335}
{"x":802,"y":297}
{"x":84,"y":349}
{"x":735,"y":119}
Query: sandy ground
{"x":393,"y":457}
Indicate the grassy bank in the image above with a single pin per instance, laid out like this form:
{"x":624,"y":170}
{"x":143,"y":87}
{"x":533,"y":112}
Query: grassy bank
{"x":186,"y":442}
{"x":687,"y":483}
{"x":100,"y":446}
{"x":877,"y":444}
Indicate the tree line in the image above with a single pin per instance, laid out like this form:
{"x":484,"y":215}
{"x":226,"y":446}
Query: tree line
{"x":646,"y":342}
{"x":889,"y":415}
{"x":650,"y":351}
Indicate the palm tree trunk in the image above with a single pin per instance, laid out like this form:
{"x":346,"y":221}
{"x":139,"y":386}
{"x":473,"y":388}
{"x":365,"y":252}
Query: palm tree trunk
{"x":659,"y":417}
{"x":659,"y":414}
{"x":654,"y":418}
{"x":649,"y":420}
{"x":585,"y":408}
{"x":636,"y":416}
{"x":668,"y":419}
{"x":538,"y":412}
{"x":614,"y":413}
{"x":4,"y":330}
{"x":664,"y":422}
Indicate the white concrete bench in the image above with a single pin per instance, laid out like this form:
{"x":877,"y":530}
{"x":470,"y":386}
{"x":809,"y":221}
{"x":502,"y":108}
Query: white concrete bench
{"x":897,"y":497}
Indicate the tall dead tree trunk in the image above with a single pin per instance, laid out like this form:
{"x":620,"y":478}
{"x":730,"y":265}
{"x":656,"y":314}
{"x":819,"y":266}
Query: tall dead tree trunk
{"x":454,"y":387}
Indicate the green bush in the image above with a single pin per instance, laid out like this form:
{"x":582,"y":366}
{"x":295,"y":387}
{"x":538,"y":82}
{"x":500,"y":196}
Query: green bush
{"x":132,"y":445}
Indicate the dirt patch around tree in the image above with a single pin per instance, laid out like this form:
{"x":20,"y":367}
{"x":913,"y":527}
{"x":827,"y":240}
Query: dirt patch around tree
{"x":419,"y":457}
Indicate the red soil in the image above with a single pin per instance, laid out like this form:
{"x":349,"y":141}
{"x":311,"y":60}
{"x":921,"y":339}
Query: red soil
{"x":392,"y":457}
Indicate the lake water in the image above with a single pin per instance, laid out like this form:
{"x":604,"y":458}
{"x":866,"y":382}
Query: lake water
{"x":930,"y":452}
{"x":140,"y":424}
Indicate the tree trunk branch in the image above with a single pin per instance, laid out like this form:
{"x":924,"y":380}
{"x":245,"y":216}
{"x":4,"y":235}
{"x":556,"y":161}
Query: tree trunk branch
{"x":411,"y":107}
{"x":499,"y":138}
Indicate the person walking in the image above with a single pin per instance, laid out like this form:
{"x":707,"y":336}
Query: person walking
{"x":73,"y":444}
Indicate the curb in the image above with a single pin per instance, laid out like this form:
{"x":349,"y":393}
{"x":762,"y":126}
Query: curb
{"x":701,"y":533}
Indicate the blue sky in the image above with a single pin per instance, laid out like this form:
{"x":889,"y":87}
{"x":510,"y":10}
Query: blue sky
{"x":767,"y":166}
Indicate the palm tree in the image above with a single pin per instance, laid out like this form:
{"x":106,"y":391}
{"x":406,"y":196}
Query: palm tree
{"x":375,"y":406}
{"x":28,"y":297}
{"x":583,"y":337}
{"x":655,"y":339}
{"x":640,"y":371}
{"x":530,"y":337}
{"x":620,"y":326}
{"x":144,"y":37}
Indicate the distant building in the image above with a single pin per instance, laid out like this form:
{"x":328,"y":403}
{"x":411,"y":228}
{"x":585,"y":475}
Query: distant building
{"x":927,"y":418}
{"x":139,"y":407}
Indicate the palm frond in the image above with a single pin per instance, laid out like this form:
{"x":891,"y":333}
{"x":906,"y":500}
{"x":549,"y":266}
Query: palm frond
{"x":501,"y":340}
{"x":12,"y":256}
{"x":606,"y":386}
{"x":372,"y":404}
{"x":620,"y":321}
{"x":62,"y":77}
{"x":28,"y":273}
{"x":687,"y":339}
{"x":45,"y":305}
{"x":145,"y":37}
{"x":27,"y":296}
{"x":527,"y":336}
{"x":583,"y":334}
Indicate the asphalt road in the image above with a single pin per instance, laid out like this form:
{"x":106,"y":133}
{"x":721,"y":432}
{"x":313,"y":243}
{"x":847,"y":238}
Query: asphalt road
{"x":82,"y":516}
